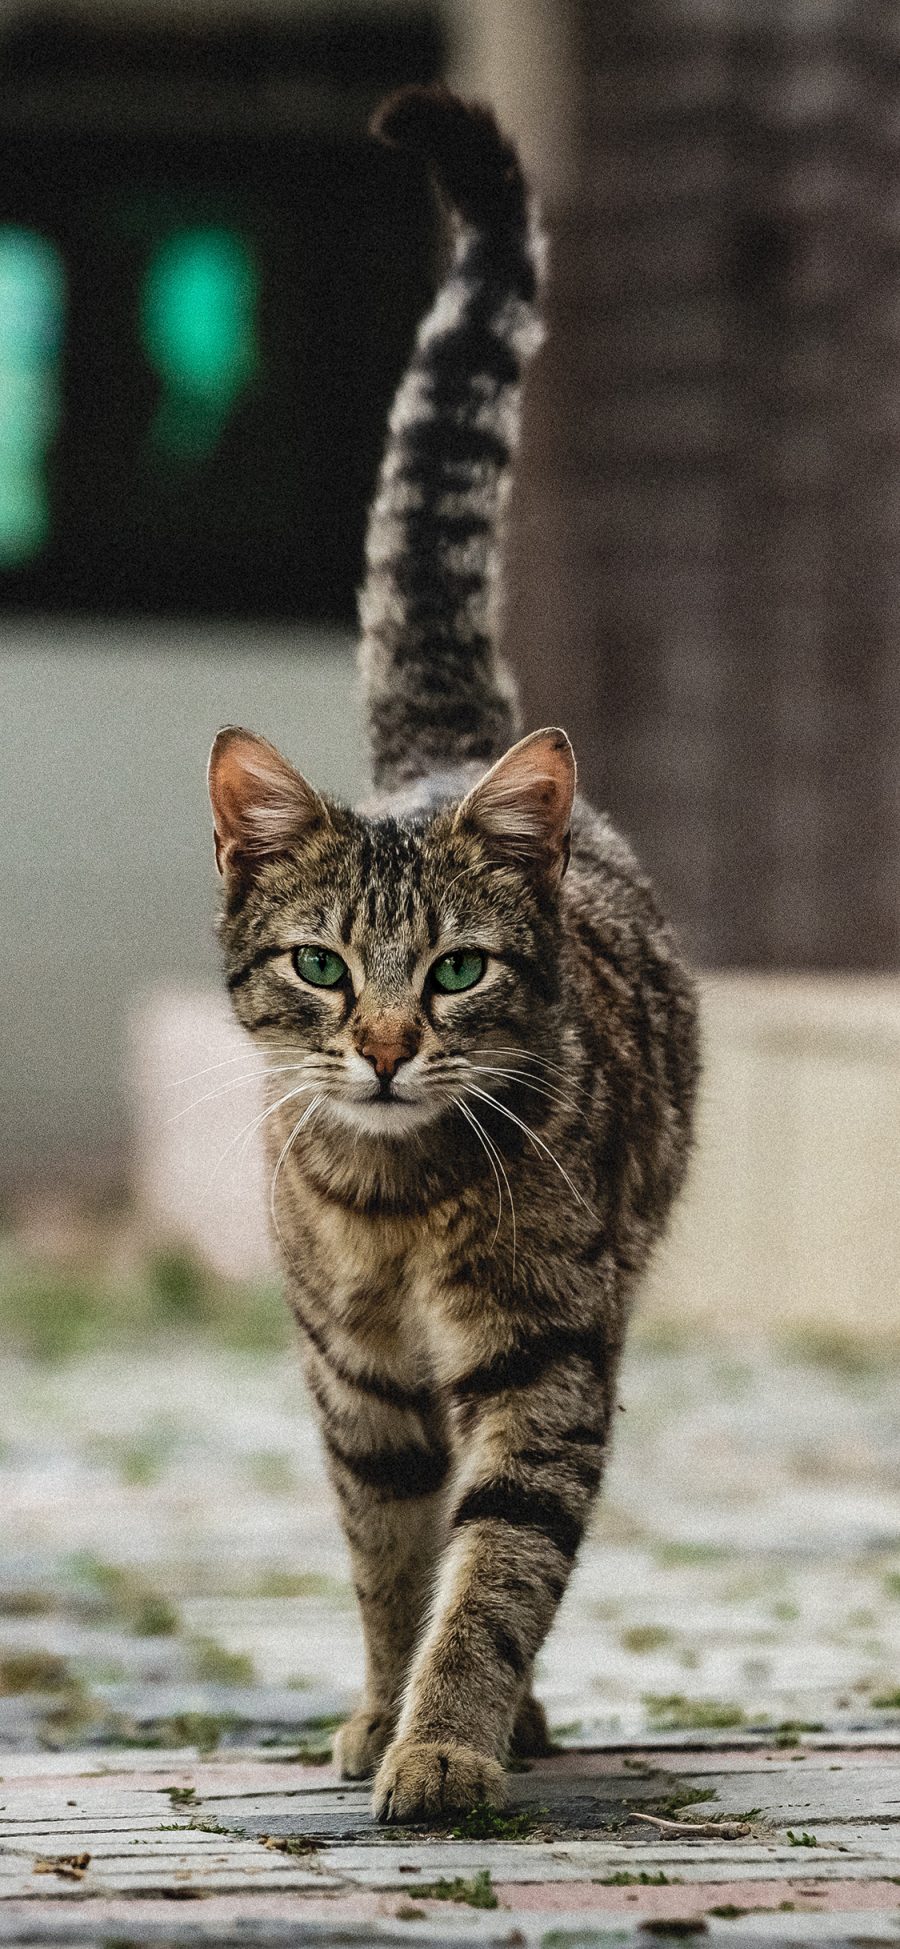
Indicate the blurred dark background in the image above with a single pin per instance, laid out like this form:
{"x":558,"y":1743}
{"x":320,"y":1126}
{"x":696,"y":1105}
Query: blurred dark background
{"x":207,"y":308}
{"x":209,"y":281}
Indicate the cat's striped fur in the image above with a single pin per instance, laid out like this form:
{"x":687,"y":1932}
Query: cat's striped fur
{"x":465,"y":1185}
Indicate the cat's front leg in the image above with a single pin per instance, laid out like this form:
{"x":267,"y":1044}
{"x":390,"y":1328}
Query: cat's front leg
{"x":388,"y":1457}
{"x":533,"y":1461}
{"x":392,"y":1547}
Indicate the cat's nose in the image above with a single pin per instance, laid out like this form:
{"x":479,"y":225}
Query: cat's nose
{"x":385,"y":1056}
{"x":387,"y":1046}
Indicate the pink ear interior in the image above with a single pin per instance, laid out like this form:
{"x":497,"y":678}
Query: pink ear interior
{"x":261,"y":805}
{"x":524,"y":802}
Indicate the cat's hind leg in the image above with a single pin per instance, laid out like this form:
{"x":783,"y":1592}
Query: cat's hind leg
{"x":531,"y":1738}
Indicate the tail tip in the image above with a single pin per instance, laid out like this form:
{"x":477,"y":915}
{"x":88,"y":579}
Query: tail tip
{"x":475,"y":165}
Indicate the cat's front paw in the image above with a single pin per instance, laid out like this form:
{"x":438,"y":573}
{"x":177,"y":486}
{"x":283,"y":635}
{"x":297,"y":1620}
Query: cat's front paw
{"x":359,"y":1744}
{"x":422,"y":1781}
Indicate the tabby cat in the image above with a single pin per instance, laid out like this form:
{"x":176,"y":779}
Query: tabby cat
{"x":481,"y":1053}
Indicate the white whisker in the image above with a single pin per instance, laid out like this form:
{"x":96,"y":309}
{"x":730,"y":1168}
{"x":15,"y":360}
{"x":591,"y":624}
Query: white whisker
{"x":255,"y":1124}
{"x":471,"y":1121}
{"x":255,"y":1076}
{"x":241,"y":1055}
{"x":283,"y":1154}
{"x":532,"y":1135}
{"x":492,"y":1154}
{"x":527,"y":1055}
{"x":552,"y":1094}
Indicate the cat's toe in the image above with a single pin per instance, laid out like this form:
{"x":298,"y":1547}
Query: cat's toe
{"x":531,"y":1734}
{"x":424,"y":1781}
{"x":359,"y":1744}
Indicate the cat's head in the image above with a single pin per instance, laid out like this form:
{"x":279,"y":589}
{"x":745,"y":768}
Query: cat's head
{"x":393,"y":965}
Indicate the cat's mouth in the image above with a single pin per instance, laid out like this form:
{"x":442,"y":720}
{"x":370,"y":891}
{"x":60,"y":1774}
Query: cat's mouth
{"x":385,"y":1112}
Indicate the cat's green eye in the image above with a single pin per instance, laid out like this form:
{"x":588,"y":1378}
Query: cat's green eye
{"x":460,"y":970}
{"x":320,"y":966}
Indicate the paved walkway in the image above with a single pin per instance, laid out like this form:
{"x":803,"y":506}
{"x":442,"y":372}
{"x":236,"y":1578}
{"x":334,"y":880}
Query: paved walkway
{"x":177,"y":1636}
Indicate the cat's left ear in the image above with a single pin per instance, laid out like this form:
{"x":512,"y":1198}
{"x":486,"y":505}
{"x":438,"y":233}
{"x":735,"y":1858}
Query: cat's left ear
{"x":523,"y":805}
{"x":261,"y":805}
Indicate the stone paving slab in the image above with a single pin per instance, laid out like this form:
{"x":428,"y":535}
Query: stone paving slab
{"x":172,"y":1564}
{"x":585,"y":1869}
{"x":220,"y":1928}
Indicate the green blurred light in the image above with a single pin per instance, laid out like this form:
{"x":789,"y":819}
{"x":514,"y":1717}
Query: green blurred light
{"x":198,"y":325}
{"x":32,"y":315}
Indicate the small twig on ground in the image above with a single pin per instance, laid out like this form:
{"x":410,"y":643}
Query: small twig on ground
{"x":700,"y":1830}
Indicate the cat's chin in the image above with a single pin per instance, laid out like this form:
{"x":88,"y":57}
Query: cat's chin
{"x":383,"y":1118}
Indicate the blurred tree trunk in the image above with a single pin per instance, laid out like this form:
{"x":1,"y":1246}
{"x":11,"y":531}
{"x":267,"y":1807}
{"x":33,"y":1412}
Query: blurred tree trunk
{"x":704,"y":553}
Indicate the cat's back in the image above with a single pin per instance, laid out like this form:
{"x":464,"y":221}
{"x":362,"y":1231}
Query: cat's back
{"x":633,"y":1005}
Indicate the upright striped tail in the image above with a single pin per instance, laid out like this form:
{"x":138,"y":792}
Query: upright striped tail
{"x":437,"y":695}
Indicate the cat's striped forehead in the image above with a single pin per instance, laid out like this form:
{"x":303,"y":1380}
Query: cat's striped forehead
{"x":392,"y":884}
{"x":397,"y":885}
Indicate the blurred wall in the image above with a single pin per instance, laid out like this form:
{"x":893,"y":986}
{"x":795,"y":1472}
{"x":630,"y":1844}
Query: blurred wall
{"x":706,"y":549}
{"x":106,"y":862}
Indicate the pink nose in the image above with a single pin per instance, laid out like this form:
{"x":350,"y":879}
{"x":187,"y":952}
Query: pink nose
{"x":385,"y":1054}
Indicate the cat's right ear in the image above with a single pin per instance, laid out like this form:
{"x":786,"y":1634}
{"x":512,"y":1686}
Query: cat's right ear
{"x":261,"y":806}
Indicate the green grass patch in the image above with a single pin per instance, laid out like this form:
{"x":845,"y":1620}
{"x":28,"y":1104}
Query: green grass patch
{"x":304,"y":1583}
{"x":858,"y":1356}
{"x":483,"y":1823}
{"x":671,"y":1555}
{"x":218,"y":1666}
{"x":476,"y":1891}
{"x":202,"y":1730}
{"x":672,"y":1712}
{"x":888,"y":1701}
{"x":789,"y":1732}
{"x":52,"y":1313}
{"x":35,"y":1671}
{"x":67,"y":1722}
{"x":139,"y":1461}
{"x":123,"y":1597}
{"x":802,"y":1839}
{"x":314,"y":1743}
{"x":182,"y":1796}
{"x":71,"y":1710}
{"x":892,"y":1583}
{"x":153,"y":1616}
{"x":645,"y":1637}
{"x":674,"y":1804}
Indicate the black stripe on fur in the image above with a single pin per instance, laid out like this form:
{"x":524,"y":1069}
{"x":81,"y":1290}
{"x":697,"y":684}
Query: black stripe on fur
{"x":527,"y":1363}
{"x":397,"y":1474}
{"x":419,"y":1400}
{"x":507,"y":1502}
{"x":239,"y":975}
